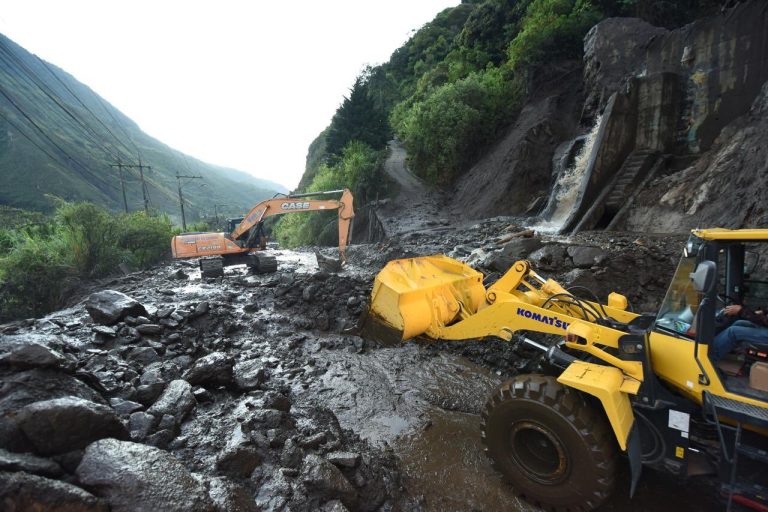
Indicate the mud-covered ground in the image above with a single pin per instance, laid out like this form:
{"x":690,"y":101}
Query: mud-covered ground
{"x":247,"y":393}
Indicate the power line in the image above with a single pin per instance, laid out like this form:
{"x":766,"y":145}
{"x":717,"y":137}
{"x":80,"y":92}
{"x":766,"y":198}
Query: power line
{"x":36,"y":81}
{"x":179,"y":177}
{"x":84,"y":168}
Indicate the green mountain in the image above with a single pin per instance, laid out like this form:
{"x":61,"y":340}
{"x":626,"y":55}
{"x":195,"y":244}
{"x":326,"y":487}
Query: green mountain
{"x":58,"y":137}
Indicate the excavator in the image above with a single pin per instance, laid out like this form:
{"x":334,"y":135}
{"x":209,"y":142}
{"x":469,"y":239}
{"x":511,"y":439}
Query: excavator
{"x":612,"y":381}
{"x":247,"y":240}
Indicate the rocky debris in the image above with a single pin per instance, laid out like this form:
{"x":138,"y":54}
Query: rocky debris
{"x":32,"y":351}
{"x":227,"y":496}
{"x":135,"y":477}
{"x":321,"y":476}
{"x":215,"y":369}
{"x":513,"y":251}
{"x":104,"y":330}
{"x":178,"y":275}
{"x":22,"y":492}
{"x":110,"y":306}
{"x":29,"y":463}
{"x":177,"y":400}
{"x":63,"y":424}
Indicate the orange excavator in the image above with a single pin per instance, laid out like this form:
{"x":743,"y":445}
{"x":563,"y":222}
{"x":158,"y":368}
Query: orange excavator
{"x":247,"y":241}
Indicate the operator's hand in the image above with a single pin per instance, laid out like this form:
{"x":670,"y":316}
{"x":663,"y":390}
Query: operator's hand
{"x":732,"y":310}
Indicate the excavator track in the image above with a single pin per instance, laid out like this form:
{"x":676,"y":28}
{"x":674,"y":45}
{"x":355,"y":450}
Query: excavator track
{"x":211,"y":267}
{"x":262,"y":263}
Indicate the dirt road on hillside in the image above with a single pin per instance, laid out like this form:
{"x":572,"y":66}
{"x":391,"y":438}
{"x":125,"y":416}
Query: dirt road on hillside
{"x":415,"y":206}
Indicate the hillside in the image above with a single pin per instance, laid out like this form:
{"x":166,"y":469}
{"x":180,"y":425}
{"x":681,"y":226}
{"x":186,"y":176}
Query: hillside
{"x":569,"y":114}
{"x":57,"y":136}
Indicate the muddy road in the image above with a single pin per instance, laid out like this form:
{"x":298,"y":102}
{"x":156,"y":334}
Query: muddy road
{"x":269,"y":403}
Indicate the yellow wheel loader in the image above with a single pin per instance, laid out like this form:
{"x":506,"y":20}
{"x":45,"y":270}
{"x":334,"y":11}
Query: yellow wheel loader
{"x":620,"y":382}
{"x":247,"y":238}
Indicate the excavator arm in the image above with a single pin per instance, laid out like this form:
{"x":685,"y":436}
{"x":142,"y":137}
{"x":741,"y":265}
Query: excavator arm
{"x":192,"y":245}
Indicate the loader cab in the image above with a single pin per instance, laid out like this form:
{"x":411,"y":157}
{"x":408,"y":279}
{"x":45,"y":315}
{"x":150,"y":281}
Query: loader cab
{"x":738,"y":275}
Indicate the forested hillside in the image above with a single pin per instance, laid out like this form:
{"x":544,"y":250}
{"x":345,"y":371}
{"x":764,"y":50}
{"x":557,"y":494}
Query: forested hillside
{"x":57,"y":136}
{"x":456,"y":85}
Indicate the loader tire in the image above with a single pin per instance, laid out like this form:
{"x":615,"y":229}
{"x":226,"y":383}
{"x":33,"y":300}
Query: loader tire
{"x":553,"y":447}
{"x":211,"y":267}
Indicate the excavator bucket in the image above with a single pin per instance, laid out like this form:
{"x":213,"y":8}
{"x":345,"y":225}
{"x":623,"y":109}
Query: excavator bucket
{"x":417,"y":296}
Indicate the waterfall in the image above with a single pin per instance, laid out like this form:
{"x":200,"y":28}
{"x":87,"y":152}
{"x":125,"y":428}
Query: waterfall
{"x":565,"y":192}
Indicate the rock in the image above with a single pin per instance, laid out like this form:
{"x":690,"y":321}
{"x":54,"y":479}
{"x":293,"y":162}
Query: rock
{"x":327,"y":264}
{"x":32,"y":351}
{"x":64,"y":424}
{"x":178,"y":275}
{"x":238,"y":461}
{"x":134,"y":477}
{"x":275,"y":400}
{"x":161,"y":439}
{"x":230,"y":497}
{"x":324,"y":478}
{"x":110,"y":306}
{"x":103,"y":330}
{"x":584,"y":256}
{"x":147,"y":394}
{"x":292,"y":454}
{"x":274,"y":494}
{"x":29,"y":463}
{"x":22,"y":492}
{"x":333,"y":506}
{"x":201,"y":309}
{"x":22,"y":388}
{"x":249,"y":375}
{"x":314,"y":441}
{"x":344,"y":459}
{"x":124,"y":407}
{"x":177,"y":400}
{"x":141,"y":424}
{"x":143,"y":355}
{"x":551,"y":256}
{"x":150,"y":329}
{"x":214,"y":369}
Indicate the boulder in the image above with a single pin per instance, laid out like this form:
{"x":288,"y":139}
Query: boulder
{"x":324,"y":478}
{"x":585,"y":256}
{"x":110,"y":306}
{"x":214,"y":369}
{"x":22,"y":492}
{"x":138,"y":478}
{"x":177,"y":400}
{"x":22,"y":388}
{"x":64,"y":424}
{"x":238,"y":461}
{"x":249,"y":375}
{"x":27,"y":462}
{"x":549,"y":257}
{"x":32,"y":351}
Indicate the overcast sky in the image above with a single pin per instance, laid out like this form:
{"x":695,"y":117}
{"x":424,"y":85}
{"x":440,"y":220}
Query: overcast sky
{"x":245,"y":84}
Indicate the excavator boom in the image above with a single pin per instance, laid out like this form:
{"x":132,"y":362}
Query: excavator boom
{"x":247,"y":236}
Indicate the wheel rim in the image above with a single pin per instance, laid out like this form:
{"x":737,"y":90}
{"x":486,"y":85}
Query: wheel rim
{"x":538,"y":452}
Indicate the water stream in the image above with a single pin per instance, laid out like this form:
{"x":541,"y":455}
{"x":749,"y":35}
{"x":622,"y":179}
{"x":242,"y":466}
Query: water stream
{"x":572,"y":171}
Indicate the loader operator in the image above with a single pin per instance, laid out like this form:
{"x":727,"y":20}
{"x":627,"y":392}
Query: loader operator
{"x":749,"y":326}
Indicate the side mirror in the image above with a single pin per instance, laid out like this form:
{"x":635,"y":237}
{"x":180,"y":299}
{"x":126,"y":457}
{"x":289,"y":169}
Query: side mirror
{"x":704,"y":276}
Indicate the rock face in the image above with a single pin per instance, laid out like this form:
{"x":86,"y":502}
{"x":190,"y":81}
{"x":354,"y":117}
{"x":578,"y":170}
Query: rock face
{"x":64,"y":424}
{"x":22,"y":492}
{"x":110,"y":306}
{"x":137,"y":478}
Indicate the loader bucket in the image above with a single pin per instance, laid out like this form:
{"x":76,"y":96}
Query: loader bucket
{"x":417,"y":296}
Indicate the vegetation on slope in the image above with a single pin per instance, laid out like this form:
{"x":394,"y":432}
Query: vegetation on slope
{"x":453,"y":88}
{"x":43,"y":257}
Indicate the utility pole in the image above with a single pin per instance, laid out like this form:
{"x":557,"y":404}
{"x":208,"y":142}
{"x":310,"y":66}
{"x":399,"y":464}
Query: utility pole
{"x":120,"y":166}
{"x":179,"y":177}
{"x":144,"y":190}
